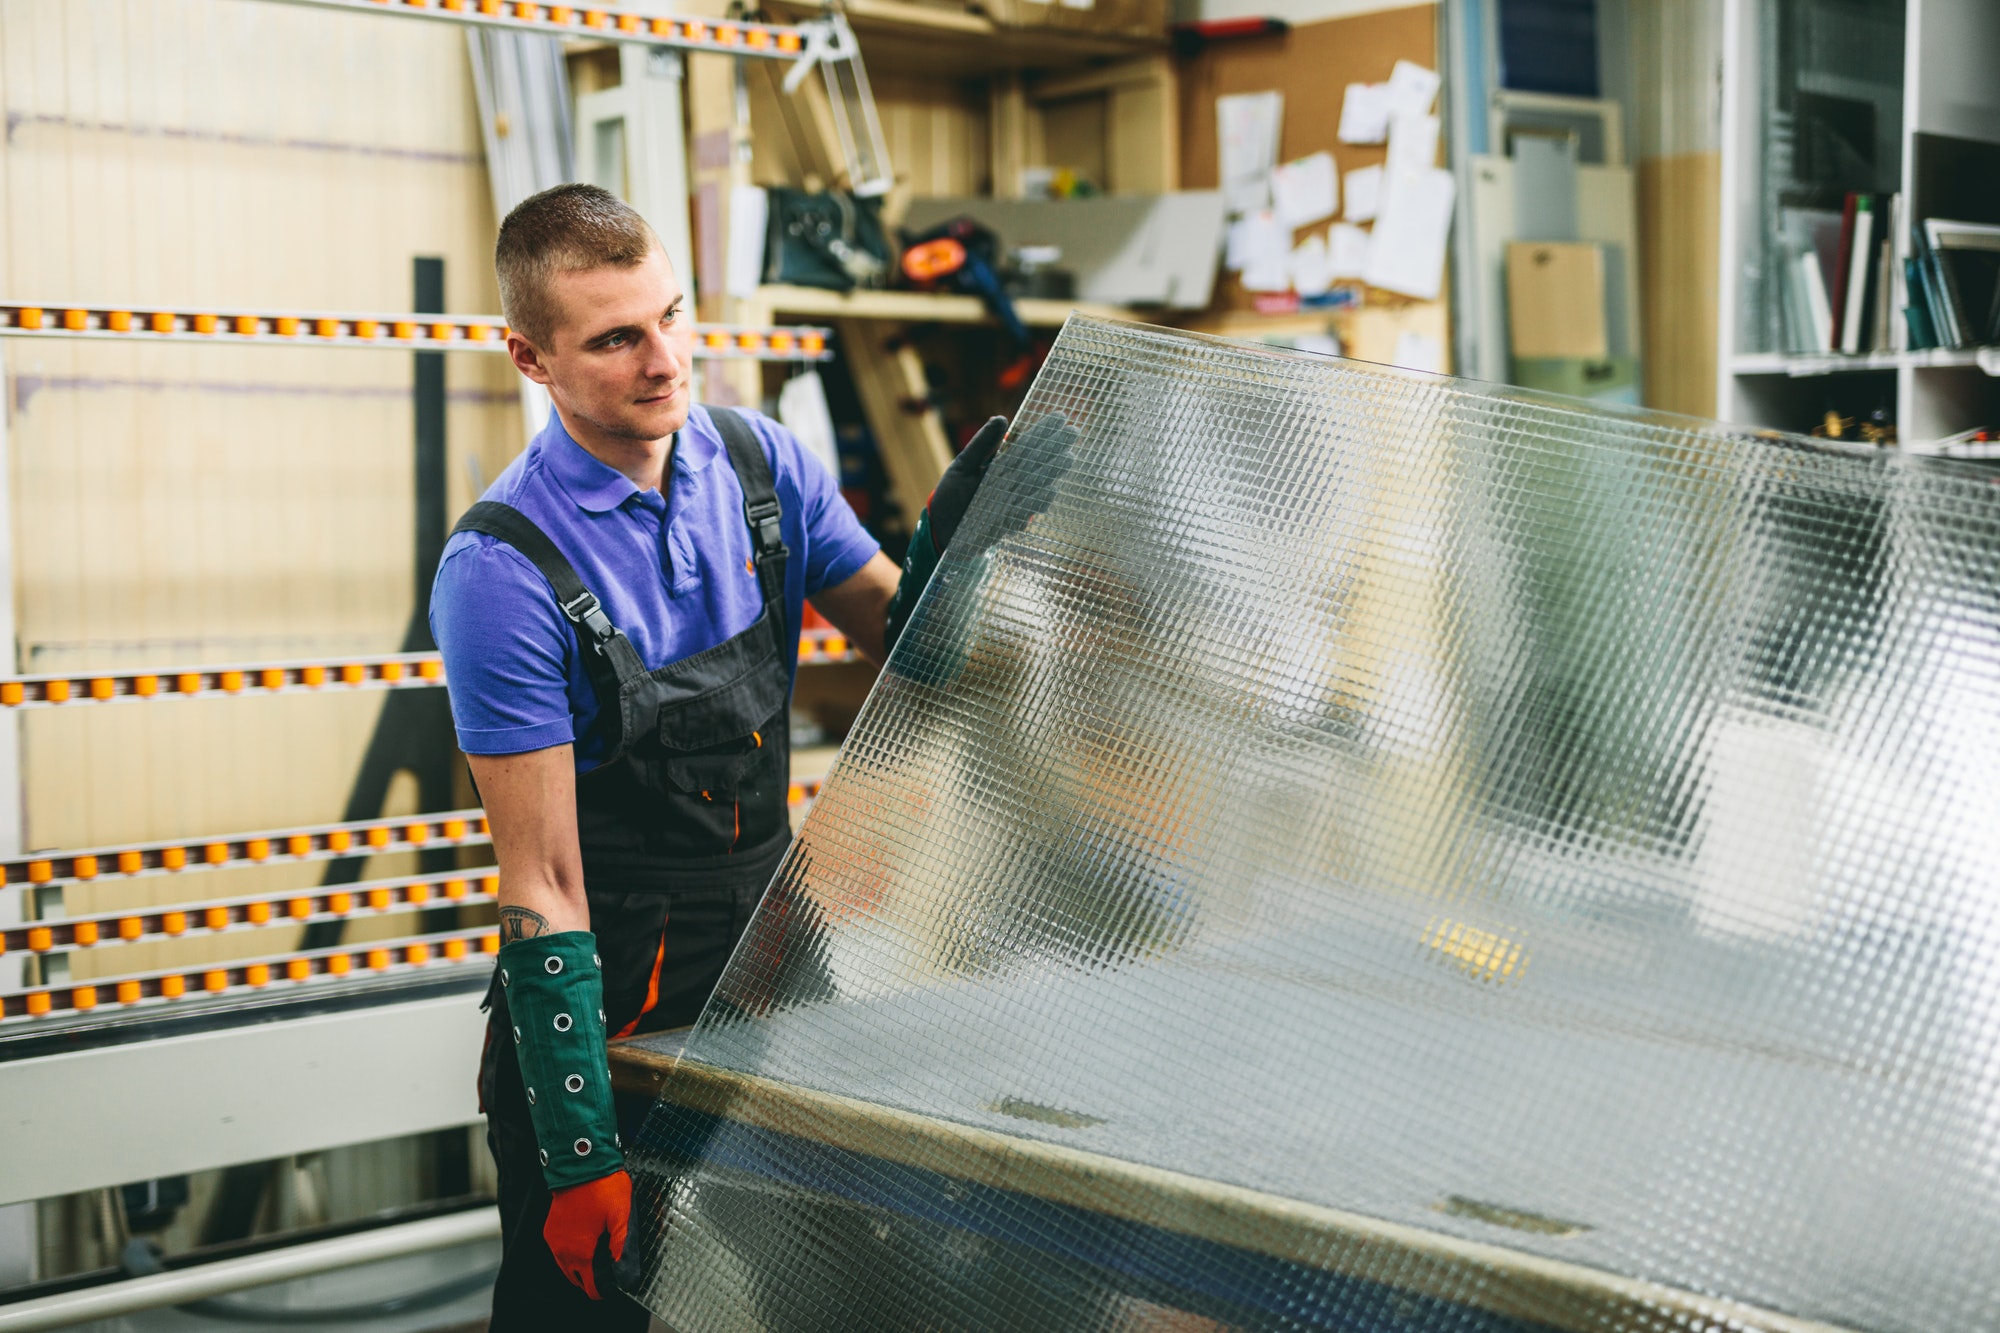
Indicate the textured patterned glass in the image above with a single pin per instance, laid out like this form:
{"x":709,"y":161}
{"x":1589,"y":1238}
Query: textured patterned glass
{"x":1351,"y":850}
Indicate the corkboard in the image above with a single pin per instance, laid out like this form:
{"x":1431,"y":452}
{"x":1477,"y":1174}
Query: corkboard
{"x":1312,"y":66}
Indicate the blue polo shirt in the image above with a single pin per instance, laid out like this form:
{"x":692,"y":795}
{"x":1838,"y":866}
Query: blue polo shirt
{"x":671,"y":572}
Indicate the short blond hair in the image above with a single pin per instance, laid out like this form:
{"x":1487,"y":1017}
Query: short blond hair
{"x":568,"y":229}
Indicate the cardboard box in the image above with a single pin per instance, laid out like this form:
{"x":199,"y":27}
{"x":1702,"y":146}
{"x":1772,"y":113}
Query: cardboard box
{"x":1555,"y":301}
{"x":1124,"y":18}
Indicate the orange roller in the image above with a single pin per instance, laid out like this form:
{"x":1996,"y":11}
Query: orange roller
{"x":455,"y":949}
{"x":85,"y":932}
{"x":84,"y":867}
{"x":257,"y":974}
{"x":173,"y":923}
{"x":757,"y":39}
{"x":299,"y":844}
{"x":380,"y":837}
{"x":366,"y":328}
{"x":41,"y":939}
{"x":403,"y":328}
{"x":443,"y":333}
{"x":379,"y":899}
{"x":131,"y":863}
{"x":215,"y":853}
{"x":338,"y":965}
{"x":353,"y":674}
{"x":214,"y":980}
{"x":28,"y":317}
{"x":788,"y":41}
{"x":145,"y":686}
{"x":327,"y":328}
{"x":781,"y":341}
{"x":188,"y":682}
{"x":130,"y":992}
{"x":286,"y":326}
{"x":216,"y":918}
{"x":83,"y":997}
{"x":41,"y":872}
{"x":339,"y":840}
{"x":229,"y":681}
{"x":812,"y":344}
{"x":489,"y":943}
{"x":257,"y":848}
{"x":727,"y":34}
{"x":454,"y":888}
{"x":299,"y":908}
{"x":11,"y":693}
{"x":663,"y":27}
{"x":489,"y":884}
{"x":430,"y":669}
{"x":257,"y":914}
{"x":102,"y":688}
{"x":161,"y":321}
{"x":248,"y":325}
{"x":749,"y":342}
{"x":477,"y":333}
{"x":416,"y":833}
{"x":484,"y":827}
{"x":118,"y":321}
{"x":173,"y":858}
{"x":312,"y":676}
{"x":76,"y":321}
{"x":795,"y":794}
{"x":130,"y":927}
{"x":491,"y":6}
{"x":203,"y":323}
{"x":339,"y":903}
{"x":417,"y":893}
{"x":378,"y":959}
{"x":56,"y":691}
{"x":454,"y":828}
{"x":835,"y":645}
{"x":416,"y":955}
{"x":391,"y":671}
{"x":173,"y":987}
{"x":630,"y":23}
{"x":299,"y":969}
{"x":272,"y":678}
{"x":39,"y":1003}
{"x":524,"y":10}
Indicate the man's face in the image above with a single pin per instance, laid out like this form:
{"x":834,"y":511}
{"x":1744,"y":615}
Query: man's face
{"x":620,"y":355}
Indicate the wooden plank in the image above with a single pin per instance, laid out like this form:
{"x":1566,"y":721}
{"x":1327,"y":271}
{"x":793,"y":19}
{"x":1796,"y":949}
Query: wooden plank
{"x":895,"y":395}
{"x":1680,"y":207}
{"x":920,"y":307}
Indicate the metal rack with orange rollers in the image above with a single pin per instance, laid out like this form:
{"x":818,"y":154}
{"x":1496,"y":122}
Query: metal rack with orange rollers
{"x":388,"y":672}
{"x":249,"y":911}
{"x":163,"y":985}
{"x":144,"y":323}
{"x":607,"y":22}
{"x":313,"y":842}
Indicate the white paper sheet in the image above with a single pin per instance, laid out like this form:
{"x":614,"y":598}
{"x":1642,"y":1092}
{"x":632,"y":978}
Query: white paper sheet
{"x":1412,"y":89}
{"x":803,"y":410}
{"x":1305,"y":191}
{"x":1364,"y":193}
{"x":1257,"y":239}
{"x":1407,"y":252}
{"x":1419,"y":351}
{"x":1247,"y":127}
{"x":743,"y":261}
{"x":1364,"y":113}
{"x":1347,"y":255}
{"x":1310,"y":275}
{"x":1413,"y":144}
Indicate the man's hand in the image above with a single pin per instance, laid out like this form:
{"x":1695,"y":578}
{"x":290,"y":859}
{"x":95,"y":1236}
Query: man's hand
{"x":579,"y":1217}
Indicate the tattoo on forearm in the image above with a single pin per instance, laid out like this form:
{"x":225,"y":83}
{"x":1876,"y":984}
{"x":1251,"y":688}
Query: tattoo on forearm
{"x":518,"y":923}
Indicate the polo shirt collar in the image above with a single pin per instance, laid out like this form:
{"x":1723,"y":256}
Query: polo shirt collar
{"x":598,"y":487}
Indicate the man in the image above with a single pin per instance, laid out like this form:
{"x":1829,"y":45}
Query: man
{"x":619,"y":618}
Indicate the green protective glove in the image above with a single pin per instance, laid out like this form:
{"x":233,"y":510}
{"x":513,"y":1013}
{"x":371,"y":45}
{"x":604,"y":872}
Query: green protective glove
{"x":1043,"y":457}
{"x":555,"y":1001}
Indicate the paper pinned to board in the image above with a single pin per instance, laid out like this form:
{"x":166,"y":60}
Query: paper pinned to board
{"x":1407,"y":254}
{"x":1364,"y":113}
{"x":1419,"y":351}
{"x":1247,"y":126}
{"x":1412,"y":89}
{"x":1363,"y":193}
{"x":1255,"y":237}
{"x":1413,"y":144}
{"x":1305,"y":191}
{"x":1347,"y":251}
{"x":1311,"y":275}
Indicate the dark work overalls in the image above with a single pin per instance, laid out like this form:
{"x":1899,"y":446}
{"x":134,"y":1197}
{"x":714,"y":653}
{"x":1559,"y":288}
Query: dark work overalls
{"x":681,"y":827}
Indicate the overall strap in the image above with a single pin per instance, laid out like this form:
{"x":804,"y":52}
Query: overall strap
{"x":761,"y":510}
{"x":608,"y":656}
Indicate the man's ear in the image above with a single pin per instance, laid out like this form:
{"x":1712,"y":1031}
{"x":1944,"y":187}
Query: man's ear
{"x":526,"y":359}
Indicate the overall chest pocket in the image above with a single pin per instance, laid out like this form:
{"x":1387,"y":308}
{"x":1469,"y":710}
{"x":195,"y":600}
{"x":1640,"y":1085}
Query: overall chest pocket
{"x":724,"y":741}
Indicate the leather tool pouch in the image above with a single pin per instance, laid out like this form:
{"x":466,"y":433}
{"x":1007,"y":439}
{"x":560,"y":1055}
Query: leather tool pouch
{"x":830,"y":239}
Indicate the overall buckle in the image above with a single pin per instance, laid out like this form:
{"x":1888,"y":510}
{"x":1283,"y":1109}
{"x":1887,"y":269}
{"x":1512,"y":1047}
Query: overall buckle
{"x":584,"y":610}
{"x":764,"y":519}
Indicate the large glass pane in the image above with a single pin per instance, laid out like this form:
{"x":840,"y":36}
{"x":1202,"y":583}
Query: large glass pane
{"x":1346,"y":849}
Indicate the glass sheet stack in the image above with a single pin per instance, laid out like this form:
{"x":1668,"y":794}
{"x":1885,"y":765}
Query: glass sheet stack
{"x":1341,"y":849}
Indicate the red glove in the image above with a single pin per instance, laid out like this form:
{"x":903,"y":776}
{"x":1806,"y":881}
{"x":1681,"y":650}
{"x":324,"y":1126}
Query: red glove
{"x":578,"y":1216}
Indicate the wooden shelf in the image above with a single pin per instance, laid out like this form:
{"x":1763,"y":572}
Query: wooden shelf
{"x":899,"y":35}
{"x":1800,"y":365}
{"x":921,"y":307}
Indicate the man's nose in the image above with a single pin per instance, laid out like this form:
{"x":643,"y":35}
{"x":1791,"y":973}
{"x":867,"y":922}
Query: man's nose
{"x":663,"y":359}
